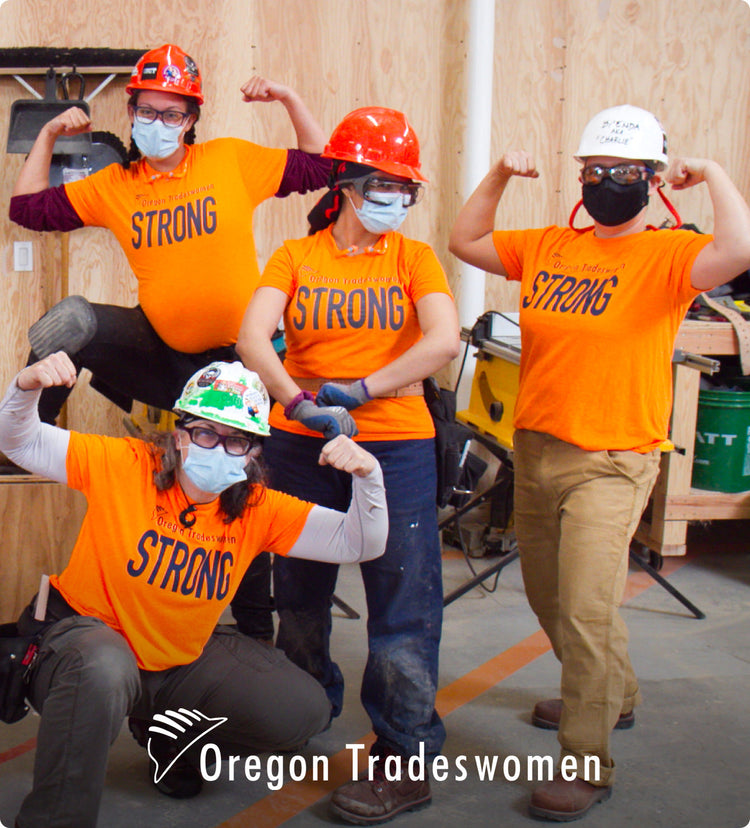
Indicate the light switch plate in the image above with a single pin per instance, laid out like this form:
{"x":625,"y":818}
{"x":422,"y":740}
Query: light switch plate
{"x":23,"y":256}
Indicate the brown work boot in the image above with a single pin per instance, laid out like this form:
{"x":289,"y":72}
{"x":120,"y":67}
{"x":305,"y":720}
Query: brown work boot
{"x":376,"y":800}
{"x":547,"y":715}
{"x":563,"y":801}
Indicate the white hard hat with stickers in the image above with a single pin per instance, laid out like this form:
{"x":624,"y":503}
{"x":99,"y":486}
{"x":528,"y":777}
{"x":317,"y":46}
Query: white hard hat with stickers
{"x":625,"y":131}
{"x":227,"y":393}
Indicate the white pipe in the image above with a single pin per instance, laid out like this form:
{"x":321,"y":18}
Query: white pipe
{"x":27,"y":86}
{"x":477,"y":156}
{"x":101,"y":86}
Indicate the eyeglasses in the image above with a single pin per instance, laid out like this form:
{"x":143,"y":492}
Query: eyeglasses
{"x":371,"y":186}
{"x":620,"y":173}
{"x":169,"y":117}
{"x":233,"y":444}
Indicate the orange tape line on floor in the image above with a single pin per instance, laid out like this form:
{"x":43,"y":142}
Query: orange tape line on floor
{"x":276,"y":808}
{"x":18,"y":750}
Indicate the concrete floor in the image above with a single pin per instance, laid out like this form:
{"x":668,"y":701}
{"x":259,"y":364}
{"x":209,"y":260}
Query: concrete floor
{"x":685,"y":764}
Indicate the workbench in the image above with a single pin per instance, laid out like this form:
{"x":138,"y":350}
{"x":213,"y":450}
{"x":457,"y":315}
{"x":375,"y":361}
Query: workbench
{"x":674,"y":502}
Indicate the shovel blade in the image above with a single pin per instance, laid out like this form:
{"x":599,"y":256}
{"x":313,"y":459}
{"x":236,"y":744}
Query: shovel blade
{"x":27,"y":119}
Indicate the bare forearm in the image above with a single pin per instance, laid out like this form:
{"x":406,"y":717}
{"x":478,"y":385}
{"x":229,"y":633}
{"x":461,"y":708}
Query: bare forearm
{"x":731,"y":216}
{"x":422,"y":360}
{"x":310,"y":135}
{"x":258,"y":354}
{"x":477,"y":217}
{"x":471,"y":236}
{"x":34,"y":175}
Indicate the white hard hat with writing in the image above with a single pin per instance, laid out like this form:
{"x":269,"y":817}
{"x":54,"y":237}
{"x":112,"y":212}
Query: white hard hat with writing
{"x":625,"y":131}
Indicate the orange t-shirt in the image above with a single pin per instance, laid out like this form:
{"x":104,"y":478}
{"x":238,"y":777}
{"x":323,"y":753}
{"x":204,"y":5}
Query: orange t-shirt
{"x":349,"y":315}
{"x":188,"y":234}
{"x":161,"y":585}
{"x":598,"y":321}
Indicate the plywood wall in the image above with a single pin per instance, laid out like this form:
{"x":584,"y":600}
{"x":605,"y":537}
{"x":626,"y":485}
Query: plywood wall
{"x":557,"y":63}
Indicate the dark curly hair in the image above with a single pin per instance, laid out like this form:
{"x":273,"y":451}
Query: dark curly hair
{"x":193,"y":108}
{"x":232,"y":501}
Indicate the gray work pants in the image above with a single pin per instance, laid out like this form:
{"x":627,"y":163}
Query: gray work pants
{"x":86,"y":681}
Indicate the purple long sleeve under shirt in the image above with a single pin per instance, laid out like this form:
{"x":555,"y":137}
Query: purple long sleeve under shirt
{"x":51,"y":209}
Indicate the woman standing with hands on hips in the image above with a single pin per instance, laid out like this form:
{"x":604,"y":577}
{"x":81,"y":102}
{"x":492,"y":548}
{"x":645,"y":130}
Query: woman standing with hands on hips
{"x":368,"y":315}
{"x":600,"y":310}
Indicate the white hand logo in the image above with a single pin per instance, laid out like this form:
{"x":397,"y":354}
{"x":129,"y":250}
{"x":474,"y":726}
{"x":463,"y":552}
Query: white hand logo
{"x":185,"y":728}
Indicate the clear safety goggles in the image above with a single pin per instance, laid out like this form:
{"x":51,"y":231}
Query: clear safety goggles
{"x":370,"y":187}
{"x":620,"y":173}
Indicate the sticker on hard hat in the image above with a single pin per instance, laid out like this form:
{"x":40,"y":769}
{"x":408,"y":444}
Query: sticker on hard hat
{"x":191,"y":68}
{"x":171,"y":73}
{"x":149,"y":71}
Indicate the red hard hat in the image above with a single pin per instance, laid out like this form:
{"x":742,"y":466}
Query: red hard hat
{"x":167,"y":69}
{"x":380,"y":138}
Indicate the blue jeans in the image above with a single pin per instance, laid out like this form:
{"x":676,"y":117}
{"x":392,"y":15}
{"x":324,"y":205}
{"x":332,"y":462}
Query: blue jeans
{"x":403,"y":588}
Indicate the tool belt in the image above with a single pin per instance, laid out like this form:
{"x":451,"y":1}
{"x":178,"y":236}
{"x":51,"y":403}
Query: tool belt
{"x":17,"y":657}
{"x":314,"y":384}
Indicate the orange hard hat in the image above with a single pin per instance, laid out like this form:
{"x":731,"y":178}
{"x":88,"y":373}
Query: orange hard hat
{"x":167,"y":69}
{"x":380,"y":138}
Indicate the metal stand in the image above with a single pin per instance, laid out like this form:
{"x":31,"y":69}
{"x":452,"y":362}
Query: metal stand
{"x":498,"y":566}
{"x":662,"y":581}
{"x":503,"y":480}
{"x":342,"y":605}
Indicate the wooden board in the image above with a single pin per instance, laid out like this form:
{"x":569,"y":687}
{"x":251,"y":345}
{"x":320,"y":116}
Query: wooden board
{"x":40,"y":522}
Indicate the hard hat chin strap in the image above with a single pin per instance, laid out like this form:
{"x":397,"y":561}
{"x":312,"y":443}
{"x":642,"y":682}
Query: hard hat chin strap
{"x":672,"y":209}
{"x":573,"y":215}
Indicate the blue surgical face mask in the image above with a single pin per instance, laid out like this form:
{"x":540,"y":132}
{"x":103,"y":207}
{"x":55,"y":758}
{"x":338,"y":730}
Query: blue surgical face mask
{"x":155,"y":140}
{"x":213,"y":470}
{"x":381,"y":218}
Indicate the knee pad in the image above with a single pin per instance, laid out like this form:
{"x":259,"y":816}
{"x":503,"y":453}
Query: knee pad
{"x":68,"y":326}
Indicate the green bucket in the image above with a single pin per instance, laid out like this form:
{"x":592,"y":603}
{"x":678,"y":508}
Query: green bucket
{"x":722,"y":440}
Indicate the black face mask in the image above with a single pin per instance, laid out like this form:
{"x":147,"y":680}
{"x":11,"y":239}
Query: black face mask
{"x":611,"y":204}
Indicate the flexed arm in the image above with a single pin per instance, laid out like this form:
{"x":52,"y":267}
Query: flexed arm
{"x":35,"y":446}
{"x":728,"y":254}
{"x":310,"y":136}
{"x":34,"y":175}
{"x":360,"y":533}
{"x":471,"y":237}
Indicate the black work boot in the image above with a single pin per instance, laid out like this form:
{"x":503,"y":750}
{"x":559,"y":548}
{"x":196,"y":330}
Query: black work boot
{"x":372,"y":801}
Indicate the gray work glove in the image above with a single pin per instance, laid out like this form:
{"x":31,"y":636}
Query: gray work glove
{"x":337,"y":393}
{"x":330,"y":420}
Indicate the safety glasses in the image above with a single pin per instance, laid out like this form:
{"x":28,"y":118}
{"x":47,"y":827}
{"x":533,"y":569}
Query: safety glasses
{"x":620,"y":173}
{"x":371,"y":188}
{"x":234,"y":444}
{"x":169,"y":117}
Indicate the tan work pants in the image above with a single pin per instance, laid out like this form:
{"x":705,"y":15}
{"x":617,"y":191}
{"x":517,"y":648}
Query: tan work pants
{"x":575,"y":513}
